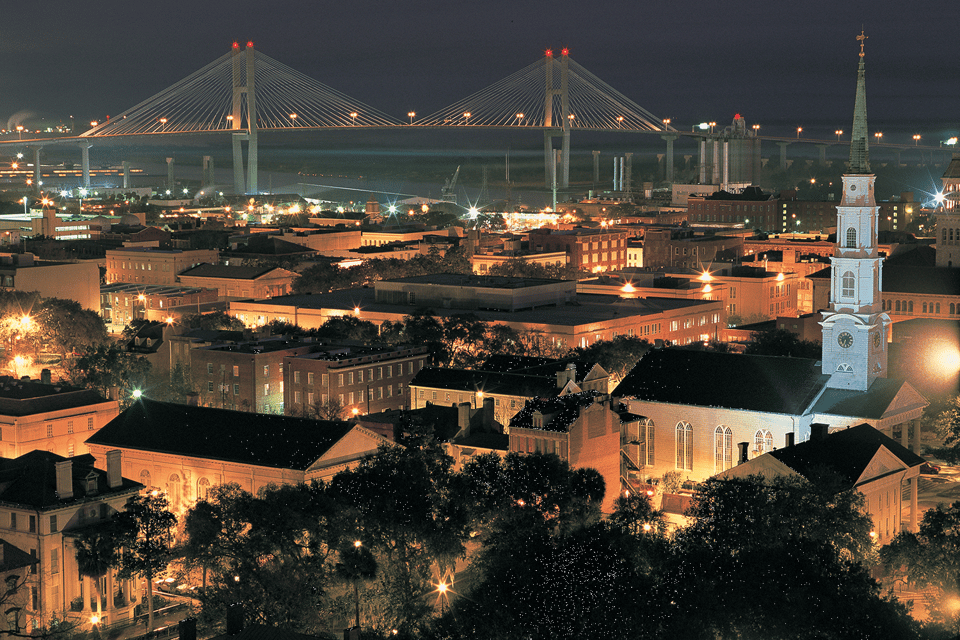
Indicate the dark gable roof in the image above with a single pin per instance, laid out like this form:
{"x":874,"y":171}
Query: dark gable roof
{"x":871,"y":403}
{"x":281,"y":442}
{"x":846,"y":452}
{"x":532,"y":365}
{"x":704,"y":378}
{"x":559,"y":413}
{"x":31,"y":480}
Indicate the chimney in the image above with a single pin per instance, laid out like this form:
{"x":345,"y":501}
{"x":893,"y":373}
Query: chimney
{"x":818,"y":431}
{"x":65,"y":479}
{"x":488,"y":411}
{"x":114,"y":393}
{"x":193,"y":399}
{"x":114,"y":478}
{"x":45,"y":377}
{"x":234,"y":619}
{"x":742,"y":448}
{"x":463,"y":419}
{"x":789,"y":442}
{"x":187,"y":629}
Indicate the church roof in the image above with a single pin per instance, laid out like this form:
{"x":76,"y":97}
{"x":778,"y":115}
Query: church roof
{"x":490,"y":382}
{"x":847,"y":453}
{"x":734,"y":381}
{"x":281,"y":442}
{"x":870,"y":404}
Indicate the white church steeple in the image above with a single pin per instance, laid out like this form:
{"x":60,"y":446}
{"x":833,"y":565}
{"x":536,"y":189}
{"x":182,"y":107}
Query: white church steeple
{"x":854,"y":329}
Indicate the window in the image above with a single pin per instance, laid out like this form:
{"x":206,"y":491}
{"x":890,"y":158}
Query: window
{"x":53,"y":524}
{"x":646,"y":442}
{"x":847,"y":285}
{"x":360,"y":376}
{"x":310,"y":398}
{"x":762,"y":441}
{"x":13,"y":520}
{"x":296,"y":397}
{"x":69,"y":426}
{"x":203,"y":488}
{"x":32,"y":524}
{"x":266,"y":388}
{"x":340,"y":379}
{"x":236,"y":389}
{"x":145,"y":478}
{"x":684,"y":446}
{"x":210,"y":367}
{"x":210,"y":385}
{"x":173,"y":491}
{"x":310,"y":378}
{"x":723,"y":447}
{"x":49,"y":430}
{"x":851,"y":238}
{"x":89,"y":424}
{"x":236,"y":371}
{"x":266,"y":370}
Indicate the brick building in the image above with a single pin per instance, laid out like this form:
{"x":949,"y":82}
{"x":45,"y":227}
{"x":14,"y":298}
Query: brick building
{"x":78,"y":281}
{"x":121,"y":303}
{"x":683,"y":247}
{"x":362,"y":379}
{"x":593,"y":250}
{"x":142,"y":265}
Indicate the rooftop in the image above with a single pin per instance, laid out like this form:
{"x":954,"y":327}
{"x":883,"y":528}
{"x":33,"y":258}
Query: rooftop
{"x":207,"y":270}
{"x":281,"y":442}
{"x":31,"y":480}
{"x":19,"y":397}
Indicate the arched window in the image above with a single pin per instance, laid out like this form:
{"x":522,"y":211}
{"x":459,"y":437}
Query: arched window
{"x":203,"y":487}
{"x":938,"y":309}
{"x":723,"y":447}
{"x":173,"y":491}
{"x":763,"y":441}
{"x":953,"y":309}
{"x":847,"y":284}
{"x":910,"y":307}
{"x":924,"y":307}
{"x":898,"y":305}
{"x":684,"y":446}
{"x":843,"y":367}
{"x":851,"y":238}
{"x":646,"y":442}
{"x":145,"y":478}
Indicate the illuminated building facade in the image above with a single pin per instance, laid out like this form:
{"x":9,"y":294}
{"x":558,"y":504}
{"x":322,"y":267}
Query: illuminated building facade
{"x":141,"y":265}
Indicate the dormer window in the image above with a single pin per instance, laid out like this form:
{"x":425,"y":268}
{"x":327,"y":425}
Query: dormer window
{"x":91,"y":483}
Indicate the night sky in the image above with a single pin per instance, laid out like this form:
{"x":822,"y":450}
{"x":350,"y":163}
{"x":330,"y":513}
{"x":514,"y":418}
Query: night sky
{"x":780,"y":64}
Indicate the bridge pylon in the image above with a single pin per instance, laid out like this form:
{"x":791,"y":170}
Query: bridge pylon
{"x":244,"y":75}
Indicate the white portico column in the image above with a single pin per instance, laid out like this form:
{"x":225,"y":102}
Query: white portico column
{"x":914,"y":486}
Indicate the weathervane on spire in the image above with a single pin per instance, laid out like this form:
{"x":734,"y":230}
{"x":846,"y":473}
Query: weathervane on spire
{"x":861,"y":38}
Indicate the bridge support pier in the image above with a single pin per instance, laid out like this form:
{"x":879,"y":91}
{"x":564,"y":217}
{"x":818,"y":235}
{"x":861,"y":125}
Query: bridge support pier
{"x":126,"y":174}
{"x":628,"y":172}
{"x":239,"y":185}
{"x":596,"y":168}
{"x":670,"y":137}
{"x":170,"y":183}
{"x":85,"y":164}
{"x":822,"y":148}
{"x":783,"y":154}
{"x":208,"y":177}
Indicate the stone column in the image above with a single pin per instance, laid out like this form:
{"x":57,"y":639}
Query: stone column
{"x":669,"y":138}
{"x":783,"y":154}
{"x":914,"y":487}
{"x":823,"y":154}
{"x":916,"y":436}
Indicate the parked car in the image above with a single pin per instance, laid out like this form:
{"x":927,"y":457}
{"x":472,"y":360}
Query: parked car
{"x":929,"y":469}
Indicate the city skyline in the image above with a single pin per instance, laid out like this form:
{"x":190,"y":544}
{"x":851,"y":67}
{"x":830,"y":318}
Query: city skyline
{"x":674,"y":60}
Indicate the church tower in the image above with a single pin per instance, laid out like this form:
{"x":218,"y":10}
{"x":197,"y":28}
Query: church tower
{"x":855,"y":327}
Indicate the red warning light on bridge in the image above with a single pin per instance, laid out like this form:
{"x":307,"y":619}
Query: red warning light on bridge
{"x":565,"y":51}
{"x":549,"y":53}
{"x":236,"y":45}
{"x":250,"y":44}
{"x":737,"y":117}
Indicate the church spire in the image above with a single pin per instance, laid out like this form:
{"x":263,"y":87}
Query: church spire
{"x":859,"y":151}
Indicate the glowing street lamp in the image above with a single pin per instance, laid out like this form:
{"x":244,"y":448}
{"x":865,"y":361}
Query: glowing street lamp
{"x":666,"y":124}
{"x":466,"y":115}
{"x":353,"y":116}
{"x":756,"y":129}
{"x":712,"y":125}
{"x":839,"y":133}
{"x":619,"y":122}
{"x":916,"y":140}
{"x":20,"y":131}
{"x":799,"y":131}
{"x":878,"y":135}
{"x":411,"y":115}
{"x":519,"y":119}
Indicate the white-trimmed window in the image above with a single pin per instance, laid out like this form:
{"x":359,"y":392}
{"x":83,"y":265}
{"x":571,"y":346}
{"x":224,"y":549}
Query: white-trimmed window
{"x":647,"y":442}
{"x":763,"y":441}
{"x":847,"y":284}
{"x":851,"y":238}
{"x":723,"y":447}
{"x":684,"y":446}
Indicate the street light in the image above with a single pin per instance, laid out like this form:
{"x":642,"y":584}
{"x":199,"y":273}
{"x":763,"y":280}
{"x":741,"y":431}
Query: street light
{"x":712,"y":125}
{"x":839,"y":133}
{"x":916,"y":140}
{"x":20,"y":131}
{"x":466,"y":115}
{"x":293,"y":119}
{"x":411,"y":115}
{"x":799,"y":131}
{"x":878,"y":135}
{"x":353,"y":115}
{"x":756,"y":129}
{"x":619,"y":122}
{"x":666,"y":124}
{"x":519,"y":119}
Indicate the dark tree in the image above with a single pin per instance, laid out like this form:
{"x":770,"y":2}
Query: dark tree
{"x":107,"y":367}
{"x":98,"y":551}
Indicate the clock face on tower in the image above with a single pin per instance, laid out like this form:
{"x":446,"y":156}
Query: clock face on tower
{"x":845,"y":340}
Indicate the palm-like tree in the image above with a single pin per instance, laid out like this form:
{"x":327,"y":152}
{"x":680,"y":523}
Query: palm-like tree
{"x":98,"y":551}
